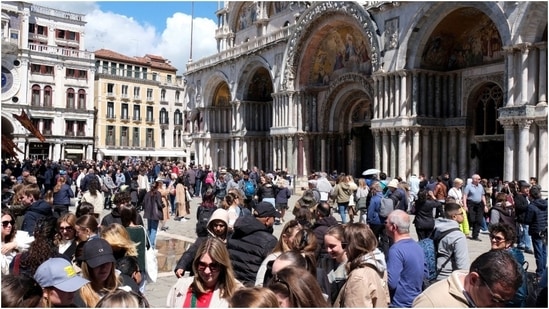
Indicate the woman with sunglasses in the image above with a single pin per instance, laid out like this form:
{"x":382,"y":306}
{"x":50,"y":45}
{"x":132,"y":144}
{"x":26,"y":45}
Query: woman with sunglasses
{"x":366,"y":284}
{"x":213,"y":284}
{"x":9,"y":245}
{"x":502,"y":237}
{"x":66,"y":235}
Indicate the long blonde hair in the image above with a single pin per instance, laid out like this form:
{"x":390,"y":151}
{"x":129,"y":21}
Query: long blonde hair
{"x":217,"y":250}
{"x":90,"y":291}
{"x":118,"y":237}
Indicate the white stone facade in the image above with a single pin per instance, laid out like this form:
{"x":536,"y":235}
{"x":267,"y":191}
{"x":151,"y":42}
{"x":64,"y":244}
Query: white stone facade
{"x":442,"y":86}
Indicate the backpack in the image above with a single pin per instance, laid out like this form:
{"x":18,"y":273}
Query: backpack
{"x":249,"y":189}
{"x":387,"y":206}
{"x":203,"y":216}
{"x":430,"y":251}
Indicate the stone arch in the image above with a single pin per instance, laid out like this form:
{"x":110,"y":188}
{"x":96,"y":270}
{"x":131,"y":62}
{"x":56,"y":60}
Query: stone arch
{"x":307,"y":25}
{"x":527,"y":26}
{"x":472,"y":84}
{"x":247,"y":72}
{"x":430,"y":17}
{"x":345,"y":88}
{"x":211,"y":84}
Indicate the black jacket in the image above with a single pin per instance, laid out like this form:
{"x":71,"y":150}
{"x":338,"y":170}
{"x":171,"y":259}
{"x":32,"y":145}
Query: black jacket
{"x":114,"y":217}
{"x":424,"y":214}
{"x":537,"y":217}
{"x":320,"y":228}
{"x":248,"y":246}
{"x":36,"y":211}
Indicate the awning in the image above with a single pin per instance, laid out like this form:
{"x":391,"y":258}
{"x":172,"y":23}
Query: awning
{"x":74,"y":151}
{"x":142,"y":153}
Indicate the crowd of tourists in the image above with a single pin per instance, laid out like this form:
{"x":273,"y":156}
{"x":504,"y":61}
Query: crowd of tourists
{"x":345,"y":242}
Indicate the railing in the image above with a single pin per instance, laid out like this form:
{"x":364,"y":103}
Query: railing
{"x":60,"y":51}
{"x":111,"y":116}
{"x":58,"y":13}
{"x":244,"y":48}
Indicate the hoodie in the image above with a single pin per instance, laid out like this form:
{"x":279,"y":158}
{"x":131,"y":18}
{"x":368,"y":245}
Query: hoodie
{"x":453,"y":245}
{"x":218,"y":214}
{"x":248,"y":246}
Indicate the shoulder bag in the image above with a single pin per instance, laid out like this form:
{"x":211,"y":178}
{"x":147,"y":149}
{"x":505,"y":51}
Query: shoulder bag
{"x":151,"y":262}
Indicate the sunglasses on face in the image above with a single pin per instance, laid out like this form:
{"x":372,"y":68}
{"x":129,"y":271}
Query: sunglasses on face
{"x":65,"y":228}
{"x":214,"y":267}
{"x":5,"y":223}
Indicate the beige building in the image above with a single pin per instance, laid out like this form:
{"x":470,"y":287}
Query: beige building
{"x":47,"y":72}
{"x":404,"y":87}
{"x":139,"y":108}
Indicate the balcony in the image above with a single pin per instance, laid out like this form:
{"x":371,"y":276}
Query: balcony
{"x":80,"y":133}
{"x":137,"y":98}
{"x":54,"y":12}
{"x":150,"y":121}
{"x":125,"y":118}
{"x":125,"y":97}
{"x":56,"y":50}
{"x":111,"y":95}
{"x":150,"y":100}
{"x":111,"y":117}
{"x":136,"y":119}
{"x":38,"y":37}
{"x":163,"y":102}
{"x":69,"y":133}
{"x":149,"y":144}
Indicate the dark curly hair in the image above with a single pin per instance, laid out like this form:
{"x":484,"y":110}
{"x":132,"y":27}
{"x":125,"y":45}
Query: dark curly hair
{"x":43,"y":247}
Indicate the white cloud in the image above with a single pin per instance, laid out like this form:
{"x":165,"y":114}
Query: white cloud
{"x":125,"y":35}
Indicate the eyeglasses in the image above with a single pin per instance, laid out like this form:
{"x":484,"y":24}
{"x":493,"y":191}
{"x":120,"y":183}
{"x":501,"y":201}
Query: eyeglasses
{"x":65,"y":228}
{"x":496,"y":238}
{"x":5,"y":223}
{"x":214,"y":267}
{"x":495,"y":298}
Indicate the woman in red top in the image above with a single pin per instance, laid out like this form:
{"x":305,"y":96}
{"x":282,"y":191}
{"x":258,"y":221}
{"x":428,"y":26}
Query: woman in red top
{"x":214,"y":282}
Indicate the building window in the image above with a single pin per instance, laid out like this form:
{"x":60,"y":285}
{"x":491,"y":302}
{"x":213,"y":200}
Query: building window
{"x":69,"y":127}
{"x":163,"y":95}
{"x":150,"y":137}
{"x":149,"y":94}
{"x":163,"y":138}
{"x":113,"y":68}
{"x":124,"y":91}
{"x":135,"y":139}
{"x":81,"y":128}
{"x":177,"y":97}
{"x":144,"y":76}
{"x":47,"y":96}
{"x":136,"y":93}
{"x":163,"y":116}
{"x":129,"y":71}
{"x":136,"y":113}
{"x":35,"y":97}
{"x":125,"y":114}
{"x":110,"y":136}
{"x":177,"y":120}
{"x":110,"y":110}
{"x":169,"y":78}
{"x":42,"y":69}
{"x":81,"y":99}
{"x":155,"y":76}
{"x":150,"y":114}
{"x":124,"y":136}
{"x":136,"y":72}
{"x":121,"y":69}
{"x":47,"y":126}
{"x":110,"y":89}
{"x":70,"y":98}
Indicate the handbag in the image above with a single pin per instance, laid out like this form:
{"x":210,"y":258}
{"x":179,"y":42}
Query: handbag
{"x":188,"y":195}
{"x":151,"y":262}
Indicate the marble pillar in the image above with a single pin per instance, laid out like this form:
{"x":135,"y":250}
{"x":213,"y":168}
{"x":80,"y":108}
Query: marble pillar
{"x":463,"y":167}
{"x":377,"y":149}
{"x":393,"y":155}
{"x":416,"y":151}
{"x":435,"y":144}
{"x":402,"y":154}
{"x":543,"y":177}
{"x":426,"y":155}
{"x":523,"y":144}
{"x":524,"y":87}
{"x":452,"y":152}
{"x":542,"y":79}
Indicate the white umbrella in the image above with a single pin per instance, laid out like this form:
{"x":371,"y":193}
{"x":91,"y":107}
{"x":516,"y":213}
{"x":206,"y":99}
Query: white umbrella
{"x":371,"y":171}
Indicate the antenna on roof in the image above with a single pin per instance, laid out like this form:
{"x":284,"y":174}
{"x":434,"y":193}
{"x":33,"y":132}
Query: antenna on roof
{"x":192,"y":22}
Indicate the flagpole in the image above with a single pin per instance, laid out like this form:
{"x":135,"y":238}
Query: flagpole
{"x":192,"y":23}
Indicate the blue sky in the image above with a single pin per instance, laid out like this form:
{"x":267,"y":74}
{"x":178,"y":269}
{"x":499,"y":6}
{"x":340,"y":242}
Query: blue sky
{"x":136,"y":28}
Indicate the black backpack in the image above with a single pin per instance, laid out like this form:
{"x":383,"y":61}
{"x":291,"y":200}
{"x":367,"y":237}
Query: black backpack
{"x":203,"y":215}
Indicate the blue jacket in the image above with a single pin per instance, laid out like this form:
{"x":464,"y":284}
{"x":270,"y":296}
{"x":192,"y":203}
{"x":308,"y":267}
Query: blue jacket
{"x":63,"y":196}
{"x":36,"y":211}
{"x":536,"y":217}
{"x":373,"y":210}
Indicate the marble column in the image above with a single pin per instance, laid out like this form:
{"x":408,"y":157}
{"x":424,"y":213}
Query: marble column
{"x":415,"y":94}
{"x":453,"y":110}
{"x":391,"y":95}
{"x":386,"y":103}
{"x":376,"y":96}
{"x":416,"y":151}
{"x":426,"y":158}
{"x":437,"y":97}
{"x":542,"y":79}
{"x":393,"y":153}
{"x":386,"y":144}
{"x":423,"y":94}
{"x":524,"y":87}
{"x":444,"y":151}
{"x":402,"y":154}
{"x":452,"y":153}
{"x":543,"y":177}
{"x":404,"y":96}
{"x":523,"y":144}
{"x":237,"y":154}
{"x":377,"y":149}
{"x":435,"y":144}
{"x":323,"y":153}
{"x":463,"y":171}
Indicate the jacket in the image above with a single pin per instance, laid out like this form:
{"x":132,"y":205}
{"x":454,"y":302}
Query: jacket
{"x":248,"y":246}
{"x":98,"y":201}
{"x":424,"y":214}
{"x":343,"y":190}
{"x":501,"y":214}
{"x":320,"y":227}
{"x":37,"y":210}
{"x":447,"y":293}
{"x":152,"y":206}
{"x":283,"y":195}
{"x":114,"y":217}
{"x":63,"y":196}
{"x":178,"y":293}
{"x":453,"y":245}
{"x":366,"y":285}
{"x":373,"y":210}
{"x":537,"y":217}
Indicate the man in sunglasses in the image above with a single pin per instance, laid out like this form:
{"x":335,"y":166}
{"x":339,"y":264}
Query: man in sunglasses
{"x":491,"y":281}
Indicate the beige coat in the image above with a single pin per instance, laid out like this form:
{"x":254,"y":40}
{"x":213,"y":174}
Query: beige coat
{"x":447,"y":293}
{"x":182,"y":208}
{"x":364,"y":288}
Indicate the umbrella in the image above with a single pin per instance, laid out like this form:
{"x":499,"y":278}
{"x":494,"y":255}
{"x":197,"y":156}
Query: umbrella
{"x":371,"y":171}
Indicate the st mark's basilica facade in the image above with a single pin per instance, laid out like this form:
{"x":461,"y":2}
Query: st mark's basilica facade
{"x":405,"y":87}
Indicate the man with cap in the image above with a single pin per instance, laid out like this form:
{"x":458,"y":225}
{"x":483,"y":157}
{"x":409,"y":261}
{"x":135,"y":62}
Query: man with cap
{"x":398,"y":195}
{"x":59,"y":282}
{"x":252,"y":241}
